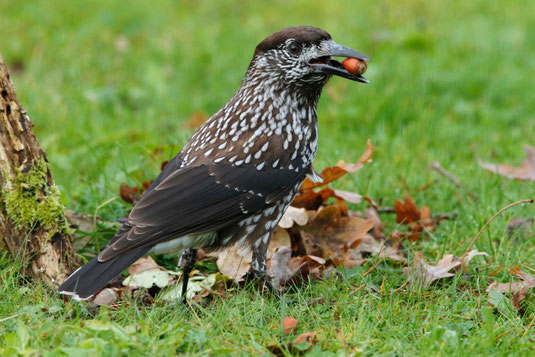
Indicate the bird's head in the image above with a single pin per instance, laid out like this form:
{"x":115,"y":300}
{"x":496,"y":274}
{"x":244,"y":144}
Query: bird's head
{"x":301,"y":56}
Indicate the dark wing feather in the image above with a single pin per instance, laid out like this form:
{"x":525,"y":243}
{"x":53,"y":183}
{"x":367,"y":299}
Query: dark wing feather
{"x":199,"y":199}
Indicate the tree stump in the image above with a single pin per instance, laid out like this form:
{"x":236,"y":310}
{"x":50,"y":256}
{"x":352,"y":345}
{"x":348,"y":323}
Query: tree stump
{"x":33,"y":226}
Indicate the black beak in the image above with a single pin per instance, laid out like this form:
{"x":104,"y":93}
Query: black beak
{"x":326,"y":64}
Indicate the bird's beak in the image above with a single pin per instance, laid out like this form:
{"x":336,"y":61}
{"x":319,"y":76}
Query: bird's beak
{"x":324,"y":63}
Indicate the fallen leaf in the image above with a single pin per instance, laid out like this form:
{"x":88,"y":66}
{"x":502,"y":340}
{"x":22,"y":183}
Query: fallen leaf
{"x":368,"y":245}
{"x":519,"y":226}
{"x":147,"y":279}
{"x":377,"y":230}
{"x":106,"y":297}
{"x":393,"y":253}
{"x":330,"y":174}
{"x":279,"y":238}
{"x":196,"y":285}
{"x":131,"y":194}
{"x":406,"y":211}
{"x":293,"y":215}
{"x":526,"y":170}
{"x":232,"y":264}
{"x":279,"y":269}
{"x":422,"y":274}
{"x":471,"y":254}
{"x":332,"y":232}
{"x":419,"y":220}
{"x":163,"y":164}
{"x":313,"y":259}
{"x":517,"y":289}
{"x":309,"y":338}
{"x":128,"y":193}
{"x":289,"y":325}
{"x":143,"y":264}
{"x":347,"y":196}
{"x":313,"y":200}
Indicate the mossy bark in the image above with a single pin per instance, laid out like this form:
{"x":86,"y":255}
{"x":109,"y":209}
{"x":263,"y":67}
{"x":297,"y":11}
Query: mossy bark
{"x":32,"y":220}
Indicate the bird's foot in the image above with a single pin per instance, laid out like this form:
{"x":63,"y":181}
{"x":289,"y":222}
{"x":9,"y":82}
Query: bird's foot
{"x":187,"y":263}
{"x":265,"y":282}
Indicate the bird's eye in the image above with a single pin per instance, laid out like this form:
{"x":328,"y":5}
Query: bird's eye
{"x":294,"y":48}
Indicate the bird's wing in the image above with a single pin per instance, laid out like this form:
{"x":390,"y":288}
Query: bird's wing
{"x":199,"y":199}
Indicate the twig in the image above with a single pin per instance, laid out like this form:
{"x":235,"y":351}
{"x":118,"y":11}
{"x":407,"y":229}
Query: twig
{"x":443,"y":216}
{"x":435,"y":165}
{"x":402,"y":286}
{"x":357,"y":289}
{"x":529,"y":200}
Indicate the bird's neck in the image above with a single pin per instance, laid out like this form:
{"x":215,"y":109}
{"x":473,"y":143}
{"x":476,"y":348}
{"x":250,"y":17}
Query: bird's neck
{"x":259,"y":117}
{"x":275,"y":102}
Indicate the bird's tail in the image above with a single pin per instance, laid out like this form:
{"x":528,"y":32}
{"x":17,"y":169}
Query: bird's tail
{"x":93,"y":276}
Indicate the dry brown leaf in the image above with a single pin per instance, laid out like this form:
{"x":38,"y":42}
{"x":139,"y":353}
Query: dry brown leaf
{"x":356,"y":253}
{"x":106,"y":297}
{"x":308,"y":337}
{"x":419,"y":220}
{"x":131,"y":194}
{"x":289,"y":325}
{"x":332,"y":232}
{"x":279,"y":238}
{"x":293,"y":215}
{"x":143,"y":264}
{"x":406,"y":211}
{"x":471,"y":254}
{"x":232,"y":264}
{"x":128,"y":193}
{"x":280,"y":269}
{"x":526,"y":170}
{"x":314,"y":259}
{"x":520,"y":225}
{"x":517,"y":289}
{"x":313,"y":200}
{"x":347,"y":196}
{"x":330,"y":174}
{"x":372,"y":215}
{"x":393,"y":253}
{"x":422,"y":274}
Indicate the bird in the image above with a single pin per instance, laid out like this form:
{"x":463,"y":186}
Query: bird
{"x":234,"y":178}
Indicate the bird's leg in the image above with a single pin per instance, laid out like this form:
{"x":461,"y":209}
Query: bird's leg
{"x":259,"y":264}
{"x":187,"y":262}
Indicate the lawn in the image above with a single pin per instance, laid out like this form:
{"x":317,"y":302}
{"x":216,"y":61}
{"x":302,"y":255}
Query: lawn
{"x":109,"y":83}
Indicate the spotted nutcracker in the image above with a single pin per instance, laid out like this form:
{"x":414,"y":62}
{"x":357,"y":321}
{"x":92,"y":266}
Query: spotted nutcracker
{"x":235,"y":177}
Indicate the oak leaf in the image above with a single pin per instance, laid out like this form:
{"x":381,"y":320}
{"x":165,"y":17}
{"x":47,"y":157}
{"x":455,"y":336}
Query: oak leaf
{"x":526,"y":170}
{"x":421,"y":274}
{"x":333,"y":232}
{"x":233,"y":264}
{"x":309,"y":338}
{"x":517,"y":289}
{"x":418,"y":220}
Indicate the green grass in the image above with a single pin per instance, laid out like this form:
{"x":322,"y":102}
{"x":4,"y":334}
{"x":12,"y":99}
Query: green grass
{"x":449,"y":82}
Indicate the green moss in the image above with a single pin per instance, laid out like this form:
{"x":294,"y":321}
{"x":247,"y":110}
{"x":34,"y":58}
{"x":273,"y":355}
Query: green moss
{"x":29,"y":201}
